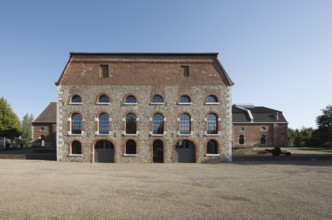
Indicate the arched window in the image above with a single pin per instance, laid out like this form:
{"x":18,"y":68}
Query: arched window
{"x":157,"y":99}
{"x":184,"y":99}
{"x":212,"y":122}
{"x":212,"y":99}
{"x":76,"y":99}
{"x":104,"y":123}
{"x":241,"y":139}
{"x":131,"y":147}
{"x":263,"y":128}
{"x":76,"y":147}
{"x":131,"y":99}
{"x":104,"y":99}
{"x":241,"y":129}
{"x":212,"y":147}
{"x":76,"y":124}
{"x":158,"y":124}
{"x":131,"y":124}
{"x":263,"y":139}
{"x":185,"y":124}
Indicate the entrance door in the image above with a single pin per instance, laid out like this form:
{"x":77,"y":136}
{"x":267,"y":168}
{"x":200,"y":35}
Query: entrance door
{"x":158,"y":152}
{"x":104,"y":152}
{"x":185,"y":152}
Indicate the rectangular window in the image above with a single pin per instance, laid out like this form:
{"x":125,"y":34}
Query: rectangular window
{"x":185,"y":71}
{"x":104,"y":71}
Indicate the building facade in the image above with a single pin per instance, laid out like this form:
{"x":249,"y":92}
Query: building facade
{"x":257,"y":126}
{"x":144,"y":107}
{"x":44,"y":127}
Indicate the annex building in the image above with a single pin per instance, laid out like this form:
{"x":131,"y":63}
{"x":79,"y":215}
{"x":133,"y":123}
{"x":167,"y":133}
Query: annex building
{"x":144,"y":107}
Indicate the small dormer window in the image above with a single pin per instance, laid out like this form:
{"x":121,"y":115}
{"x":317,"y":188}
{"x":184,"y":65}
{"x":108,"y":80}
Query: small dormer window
{"x":104,"y":71}
{"x":185,"y":71}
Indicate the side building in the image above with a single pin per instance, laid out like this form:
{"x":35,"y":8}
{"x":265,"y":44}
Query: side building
{"x":144,"y":107}
{"x":255,"y":126}
{"x":44,"y":127}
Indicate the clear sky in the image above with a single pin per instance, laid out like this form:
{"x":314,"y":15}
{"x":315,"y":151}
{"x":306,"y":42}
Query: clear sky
{"x":277,"y":52}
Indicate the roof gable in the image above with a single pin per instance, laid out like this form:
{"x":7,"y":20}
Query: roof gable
{"x":48,"y":115}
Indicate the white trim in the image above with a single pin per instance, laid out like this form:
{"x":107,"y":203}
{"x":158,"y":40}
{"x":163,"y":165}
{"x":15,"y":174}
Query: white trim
{"x":156,"y":135}
{"x":157,"y":103}
{"x":103,"y":103}
{"x":130,"y":103}
{"x":184,"y":135}
{"x":212,"y":103}
{"x":130,"y":155}
{"x":184,"y":103}
{"x":212,"y":155}
{"x":75,"y":103}
{"x":75,"y":155}
{"x":212,"y":135}
{"x":130,"y":135}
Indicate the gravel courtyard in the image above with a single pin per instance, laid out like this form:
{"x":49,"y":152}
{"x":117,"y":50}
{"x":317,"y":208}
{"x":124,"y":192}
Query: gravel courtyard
{"x":244,"y":190}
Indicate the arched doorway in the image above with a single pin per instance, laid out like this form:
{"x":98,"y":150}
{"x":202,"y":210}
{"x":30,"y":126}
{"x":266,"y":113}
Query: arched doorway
{"x":104,"y":152}
{"x":185,"y":152}
{"x":158,"y":151}
{"x":263,"y":139}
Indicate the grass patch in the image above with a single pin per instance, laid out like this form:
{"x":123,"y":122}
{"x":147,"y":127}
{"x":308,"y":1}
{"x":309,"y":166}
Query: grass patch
{"x":321,"y":149}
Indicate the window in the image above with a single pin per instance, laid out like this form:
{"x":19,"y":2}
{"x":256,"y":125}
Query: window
{"x":131,"y":147}
{"x":104,"y":99}
{"x":185,"y":124}
{"x":76,"y":99}
{"x":76,"y":147}
{"x":241,"y":139}
{"x":263,"y":139}
{"x":184,"y":99}
{"x":131,"y":99}
{"x":157,"y":99}
{"x":212,"y":147}
{"x":241,"y":129}
{"x":104,"y":71}
{"x":76,"y":124}
{"x":263,"y":128}
{"x":104,"y":123}
{"x":42,"y":129}
{"x":185,"y":71}
{"x":212,"y":121}
{"x":212,"y":99}
{"x":131,"y":124}
{"x":158,"y":124}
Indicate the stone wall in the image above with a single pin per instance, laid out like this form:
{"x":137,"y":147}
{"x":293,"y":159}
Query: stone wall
{"x":144,"y":110}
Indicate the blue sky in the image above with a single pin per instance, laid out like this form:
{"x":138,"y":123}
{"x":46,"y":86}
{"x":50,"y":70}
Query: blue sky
{"x":277,"y":52}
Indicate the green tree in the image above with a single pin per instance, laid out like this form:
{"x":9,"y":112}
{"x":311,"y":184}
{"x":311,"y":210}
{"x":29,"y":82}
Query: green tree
{"x":9,"y":124}
{"x":324,"y":123}
{"x":26,"y":124}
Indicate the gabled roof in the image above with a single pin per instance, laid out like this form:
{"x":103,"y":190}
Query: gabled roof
{"x":48,"y":115}
{"x":81,"y":68}
{"x":259,"y":114}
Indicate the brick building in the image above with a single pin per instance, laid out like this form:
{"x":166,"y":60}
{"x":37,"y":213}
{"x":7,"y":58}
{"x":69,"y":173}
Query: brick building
{"x":144,"y":107}
{"x":258,"y":126}
{"x":44,"y":127}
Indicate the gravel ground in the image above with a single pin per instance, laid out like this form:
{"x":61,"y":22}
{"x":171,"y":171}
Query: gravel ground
{"x":244,"y":190}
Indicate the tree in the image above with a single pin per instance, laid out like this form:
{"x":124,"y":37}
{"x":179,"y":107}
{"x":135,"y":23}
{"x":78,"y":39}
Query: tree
{"x":324,"y":123}
{"x":26,"y":125}
{"x":9,"y":124}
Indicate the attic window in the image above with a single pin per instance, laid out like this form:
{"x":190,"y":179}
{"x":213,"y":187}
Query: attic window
{"x":185,"y":71}
{"x":104,"y":71}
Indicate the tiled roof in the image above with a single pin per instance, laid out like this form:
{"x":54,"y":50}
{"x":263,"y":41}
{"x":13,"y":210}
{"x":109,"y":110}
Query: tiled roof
{"x":260,"y":114}
{"x":48,"y":115}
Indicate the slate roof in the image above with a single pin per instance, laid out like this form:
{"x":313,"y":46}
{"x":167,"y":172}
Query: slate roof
{"x":259,"y":114}
{"x":48,"y":115}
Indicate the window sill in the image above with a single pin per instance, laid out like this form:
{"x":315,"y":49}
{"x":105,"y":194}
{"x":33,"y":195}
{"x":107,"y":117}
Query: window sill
{"x":157,"y":103}
{"x":212,"y":103}
{"x":97,"y":134}
{"x":130,"y":135}
{"x":103,"y":103}
{"x":184,"y":135}
{"x":185,"y":103}
{"x":130,"y":155}
{"x":130,"y":103}
{"x":75,"y":155}
{"x":212,"y":135}
{"x":76,"y":135}
{"x":75,"y":103}
{"x":212,"y":155}
{"x":156,"y":135}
